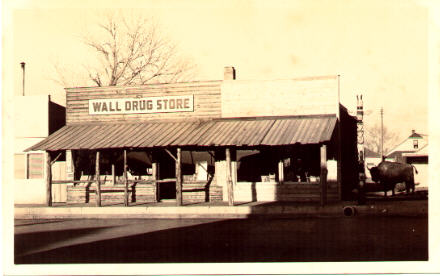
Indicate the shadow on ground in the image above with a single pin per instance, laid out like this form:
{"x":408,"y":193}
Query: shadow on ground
{"x":246,"y":240}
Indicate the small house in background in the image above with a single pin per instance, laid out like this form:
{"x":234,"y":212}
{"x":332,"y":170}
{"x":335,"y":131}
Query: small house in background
{"x":420,"y":160}
{"x":412,"y":144}
{"x":413,"y":150}
{"x":35,"y":118}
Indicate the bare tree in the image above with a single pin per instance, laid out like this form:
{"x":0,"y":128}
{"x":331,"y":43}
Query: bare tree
{"x":129,"y":50}
{"x":133,"y":51}
{"x":373,"y":136}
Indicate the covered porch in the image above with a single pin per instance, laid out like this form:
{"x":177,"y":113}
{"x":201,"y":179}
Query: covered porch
{"x":224,"y":160}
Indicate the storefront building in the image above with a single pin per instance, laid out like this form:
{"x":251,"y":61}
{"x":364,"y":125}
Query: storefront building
{"x":230,"y":140}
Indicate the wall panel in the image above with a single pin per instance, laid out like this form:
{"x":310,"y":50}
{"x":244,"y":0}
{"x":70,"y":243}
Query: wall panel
{"x":206,"y":98}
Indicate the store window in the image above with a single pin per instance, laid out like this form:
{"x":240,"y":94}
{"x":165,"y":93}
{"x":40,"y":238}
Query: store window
{"x":20,"y":166}
{"x":35,"y":165}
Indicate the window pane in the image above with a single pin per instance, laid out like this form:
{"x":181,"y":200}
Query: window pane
{"x":35,"y":165}
{"x":19,"y":166}
{"x":416,"y":144}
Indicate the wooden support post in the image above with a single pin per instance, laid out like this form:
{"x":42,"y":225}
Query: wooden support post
{"x":229,"y":177}
{"x":178,"y":178}
{"x":155,"y":175}
{"x":339,"y":158}
{"x":48,"y":179}
{"x":125,"y":179}
{"x":70,"y":166}
{"x":98,"y":181}
{"x":281,"y":172}
{"x":323,"y":176}
{"x":113,"y":175}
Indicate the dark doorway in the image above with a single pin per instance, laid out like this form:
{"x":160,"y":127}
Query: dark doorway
{"x":167,"y":190}
{"x":167,"y":170}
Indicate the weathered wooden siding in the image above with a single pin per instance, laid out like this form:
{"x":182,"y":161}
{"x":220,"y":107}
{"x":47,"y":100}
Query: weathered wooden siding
{"x":207,"y":101}
{"x":308,"y":96}
{"x":200,"y":191}
{"x":289,"y":191}
{"x":111,"y":194}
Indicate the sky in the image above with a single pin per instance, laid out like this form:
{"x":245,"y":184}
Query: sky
{"x":379,"y":48}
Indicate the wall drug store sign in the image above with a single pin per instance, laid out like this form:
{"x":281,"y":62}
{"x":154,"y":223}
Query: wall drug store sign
{"x":142,"y":105}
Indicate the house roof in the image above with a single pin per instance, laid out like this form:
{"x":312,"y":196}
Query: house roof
{"x":415,"y":135}
{"x":220,"y":132}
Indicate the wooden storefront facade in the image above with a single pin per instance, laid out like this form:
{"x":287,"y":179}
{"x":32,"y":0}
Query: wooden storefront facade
{"x":209,"y":141}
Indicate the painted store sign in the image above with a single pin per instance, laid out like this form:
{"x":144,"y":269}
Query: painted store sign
{"x":142,"y":105}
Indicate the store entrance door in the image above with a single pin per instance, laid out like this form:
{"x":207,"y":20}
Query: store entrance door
{"x":167,"y":191}
{"x":167,"y":170}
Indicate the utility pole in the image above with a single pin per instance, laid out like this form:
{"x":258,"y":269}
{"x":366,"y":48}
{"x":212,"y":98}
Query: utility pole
{"x":22,"y":67}
{"x":381,"y":131}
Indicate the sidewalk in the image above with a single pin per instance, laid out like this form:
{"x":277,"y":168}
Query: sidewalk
{"x":376,"y":207}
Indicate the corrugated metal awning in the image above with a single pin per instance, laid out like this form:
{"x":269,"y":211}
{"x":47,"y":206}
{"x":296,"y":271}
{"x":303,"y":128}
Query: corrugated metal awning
{"x":221,"y":132}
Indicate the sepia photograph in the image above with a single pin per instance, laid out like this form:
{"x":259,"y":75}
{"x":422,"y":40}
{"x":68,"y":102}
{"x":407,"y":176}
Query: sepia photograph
{"x":153,"y":137}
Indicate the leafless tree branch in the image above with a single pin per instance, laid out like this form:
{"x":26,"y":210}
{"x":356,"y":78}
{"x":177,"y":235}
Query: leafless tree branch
{"x":373,"y":138}
{"x":134,"y":53}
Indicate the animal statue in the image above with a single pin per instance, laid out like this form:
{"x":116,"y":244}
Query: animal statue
{"x":388,"y":174}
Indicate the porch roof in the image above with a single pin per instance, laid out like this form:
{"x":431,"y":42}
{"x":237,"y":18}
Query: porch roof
{"x":260,"y":131}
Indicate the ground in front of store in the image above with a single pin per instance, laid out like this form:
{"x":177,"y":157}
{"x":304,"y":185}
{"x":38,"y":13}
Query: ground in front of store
{"x":376,"y":231}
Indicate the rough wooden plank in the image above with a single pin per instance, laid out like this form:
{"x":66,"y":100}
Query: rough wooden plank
{"x":201,"y":114}
{"x":121,"y":89}
{"x":229,"y":177}
{"x":125,"y":179}
{"x":48,"y":179}
{"x":281,"y":172}
{"x":98,"y":181}
{"x":178,"y":178}
{"x":79,"y":120}
{"x":155,"y":173}
{"x":323,"y":176}
{"x":214,"y":91}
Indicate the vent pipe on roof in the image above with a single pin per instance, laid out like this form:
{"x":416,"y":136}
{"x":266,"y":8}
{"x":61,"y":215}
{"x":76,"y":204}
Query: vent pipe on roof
{"x":23,"y":64}
{"x":229,"y":73}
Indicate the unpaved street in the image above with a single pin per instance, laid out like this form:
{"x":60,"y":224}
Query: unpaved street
{"x":238,"y":240}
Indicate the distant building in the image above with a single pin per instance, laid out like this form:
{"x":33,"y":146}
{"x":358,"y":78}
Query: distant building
{"x":35,"y":118}
{"x":420,"y":160}
{"x":413,"y":150}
